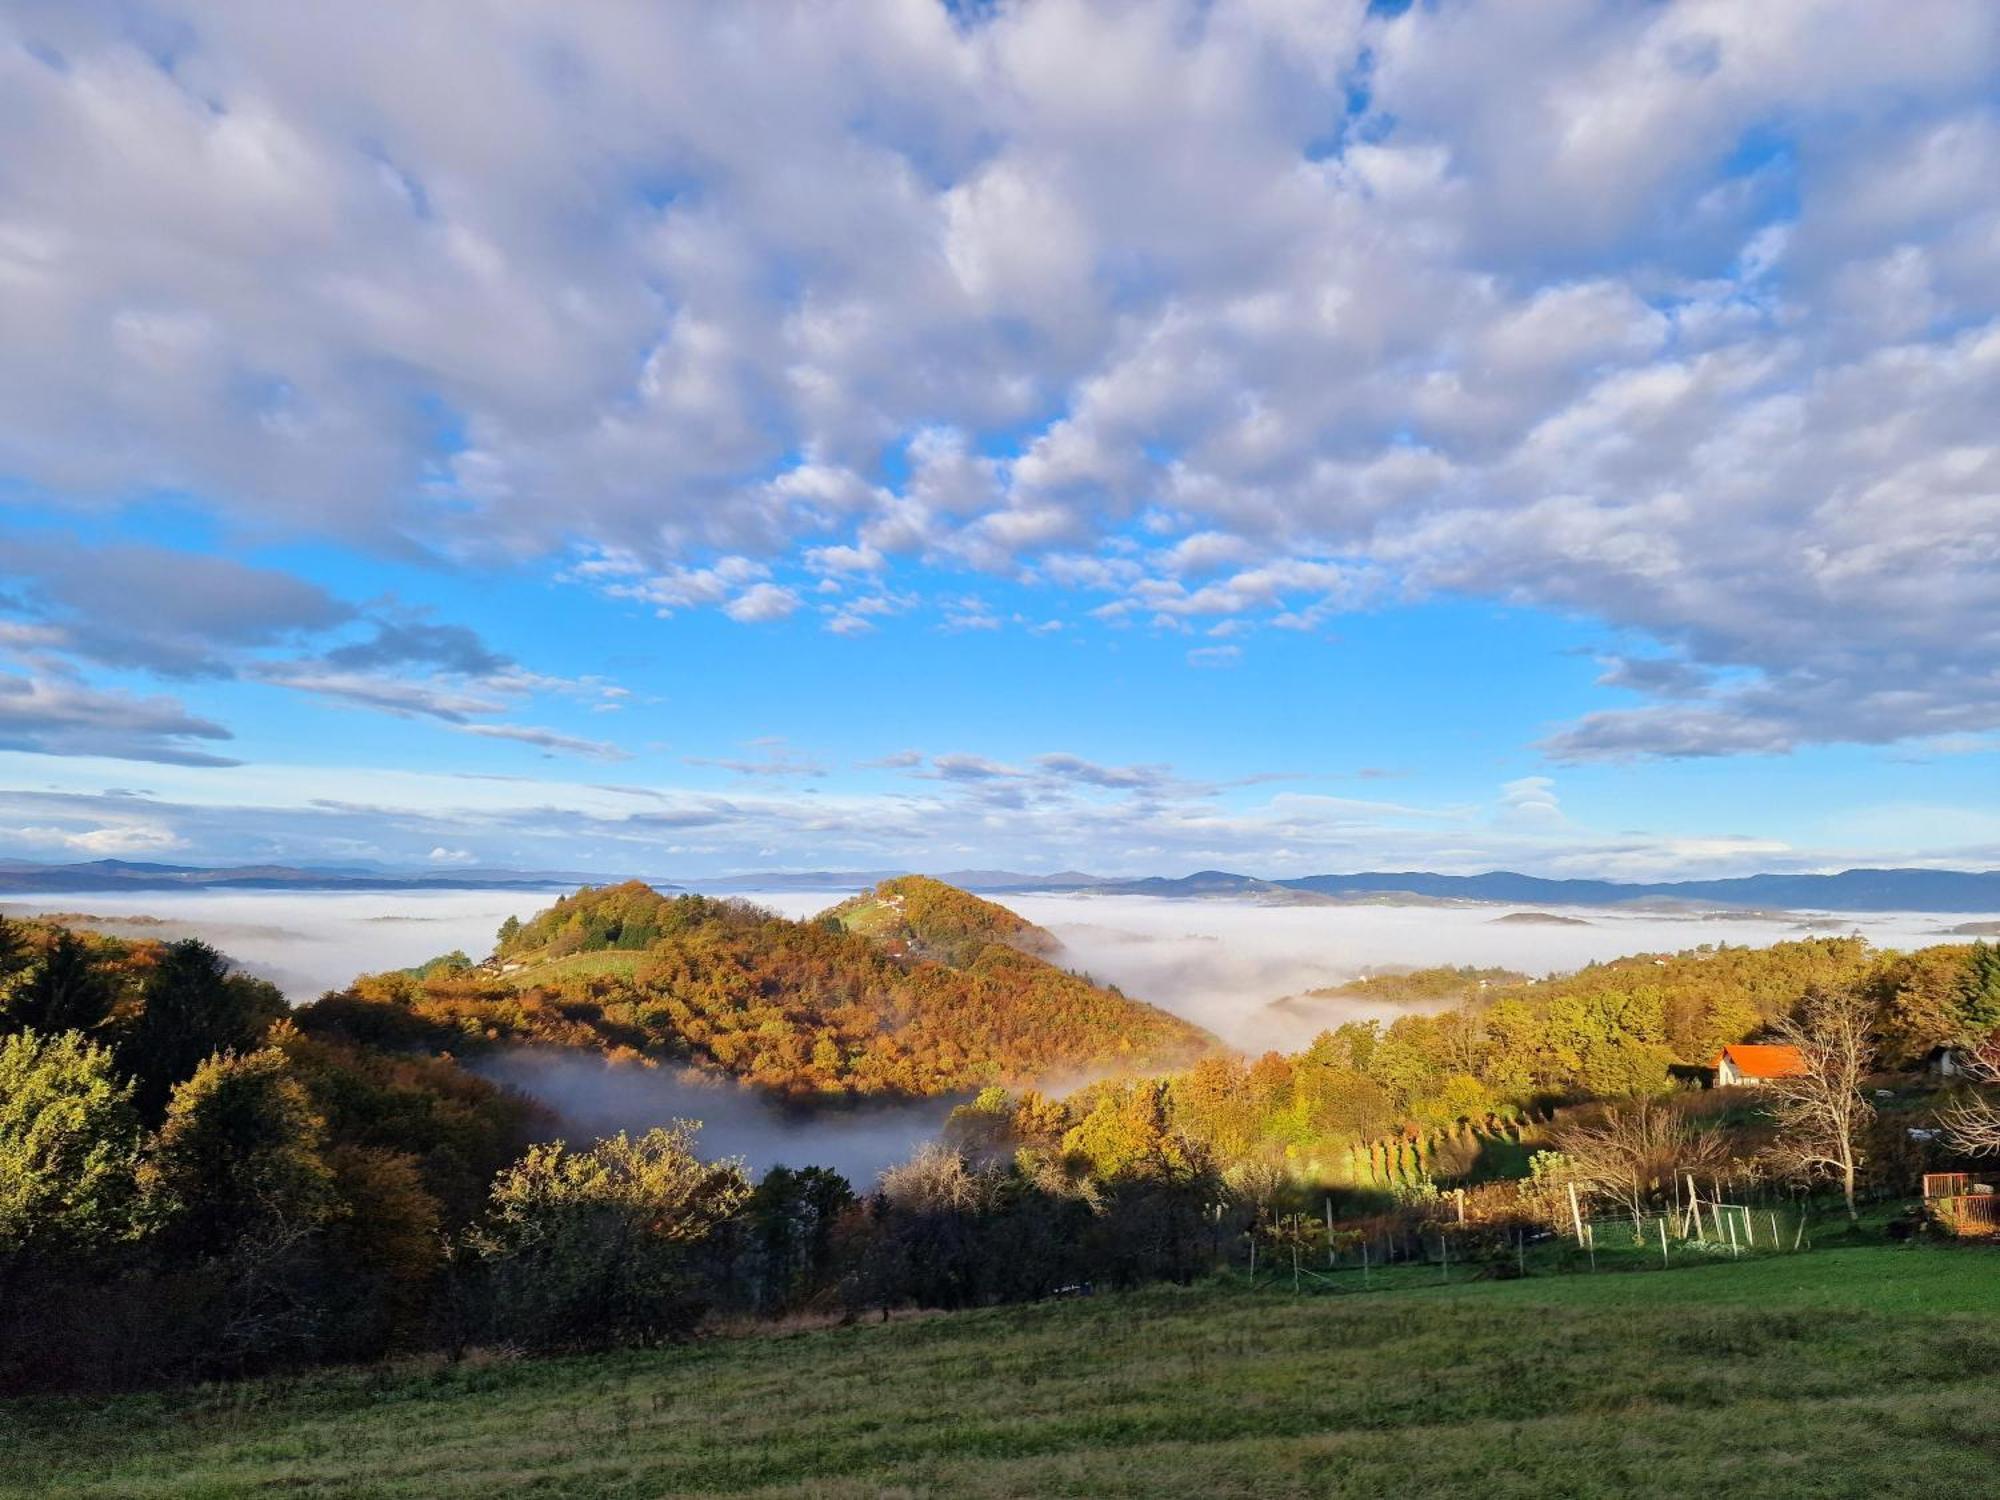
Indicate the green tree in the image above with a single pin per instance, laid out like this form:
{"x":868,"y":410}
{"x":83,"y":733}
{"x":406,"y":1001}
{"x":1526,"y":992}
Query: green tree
{"x":585,"y":1247}
{"x":1979,"y":992}
{"x":13,"y":956}
{"x":69,"y":1143}
{"x":194,"y":1007}
{"x":67,"y":990}
{"x":1129,"y":1134}
{"x":790,"y":1222}
{"x":1922,"y":1001}
{"x":239,"y":1155}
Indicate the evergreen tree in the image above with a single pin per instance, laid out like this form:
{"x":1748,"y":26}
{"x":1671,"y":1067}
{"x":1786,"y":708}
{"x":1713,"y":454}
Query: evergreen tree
{"x":68,"y":990}
{"x":1980,"y":989}
{"x":13,"y":955}
{"x":194,"y":1007}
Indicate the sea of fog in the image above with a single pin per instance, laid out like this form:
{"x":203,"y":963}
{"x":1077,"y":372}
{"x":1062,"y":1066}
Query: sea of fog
{"x":1236,"y":967}
{"x":1222,"y":963}
{"x":308,"y":942}
{"x":1218,"y":962}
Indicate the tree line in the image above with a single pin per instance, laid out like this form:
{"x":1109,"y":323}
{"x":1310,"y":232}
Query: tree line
{"x":195,"y":1181}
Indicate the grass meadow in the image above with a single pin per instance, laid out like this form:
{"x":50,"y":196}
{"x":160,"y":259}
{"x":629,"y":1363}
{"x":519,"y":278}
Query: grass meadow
{"x":1872,"y":1370}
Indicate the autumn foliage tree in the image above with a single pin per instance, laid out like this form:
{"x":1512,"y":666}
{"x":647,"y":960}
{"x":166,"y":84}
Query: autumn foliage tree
{"x":587,"y":1247}
{"x":238,"y":1155}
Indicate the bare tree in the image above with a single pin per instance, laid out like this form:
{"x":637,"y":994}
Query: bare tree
{"x":1821,"y":1111}
{"x":1972,"y":1125}
{"x":1636,"y":1153}
{"x":936,"y":1180}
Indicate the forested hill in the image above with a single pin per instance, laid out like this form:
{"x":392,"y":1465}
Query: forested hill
{"x":928,"y":991}
{"x":926,"y":918}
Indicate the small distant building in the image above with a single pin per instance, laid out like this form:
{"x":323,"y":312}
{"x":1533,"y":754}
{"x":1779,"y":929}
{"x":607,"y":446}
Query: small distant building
{"x":1949,"y":1062}
{"x":1744,"y":1066}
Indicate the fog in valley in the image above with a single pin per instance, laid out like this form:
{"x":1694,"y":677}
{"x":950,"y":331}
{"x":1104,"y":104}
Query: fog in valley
{"x":306,"y":942}
{"x":598,"y":1098}
{"x":1223,"y":963}
{"x":1238,"y":968}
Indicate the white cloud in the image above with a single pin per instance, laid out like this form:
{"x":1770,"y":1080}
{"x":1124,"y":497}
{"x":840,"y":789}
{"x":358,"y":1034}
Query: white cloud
{"x":1684,"y":318}
{"x":761,"y":602}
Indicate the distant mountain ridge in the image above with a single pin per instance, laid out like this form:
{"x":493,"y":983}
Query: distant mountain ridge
{"x":24,"y":877}
{"x":1905,"y":889}
{"x":1860,"y":889}
{"x":1849,"y":890}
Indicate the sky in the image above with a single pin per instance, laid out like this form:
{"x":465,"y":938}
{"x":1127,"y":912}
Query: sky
{"x":675,"y":440}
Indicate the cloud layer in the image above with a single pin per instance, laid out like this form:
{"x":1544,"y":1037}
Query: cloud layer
{"x":1217,"y":318}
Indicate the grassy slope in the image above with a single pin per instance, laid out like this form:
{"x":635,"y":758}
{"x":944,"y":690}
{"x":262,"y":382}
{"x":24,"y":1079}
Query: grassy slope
{"x":622,"y":963}
{"x":1867,"y":1371}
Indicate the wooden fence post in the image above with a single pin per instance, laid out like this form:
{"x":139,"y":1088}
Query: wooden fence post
{"x":1663,"y":1241}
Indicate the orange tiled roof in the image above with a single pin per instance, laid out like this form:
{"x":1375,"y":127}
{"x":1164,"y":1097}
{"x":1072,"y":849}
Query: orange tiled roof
{"x":1763,"y":1062}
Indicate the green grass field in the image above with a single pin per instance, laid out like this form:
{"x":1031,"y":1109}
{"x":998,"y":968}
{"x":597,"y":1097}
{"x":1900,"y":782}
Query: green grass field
{"x":614,"y":961}
{"x":1862,"y":1371}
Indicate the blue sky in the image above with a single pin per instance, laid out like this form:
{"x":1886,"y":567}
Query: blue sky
{"x":1286,"y":437}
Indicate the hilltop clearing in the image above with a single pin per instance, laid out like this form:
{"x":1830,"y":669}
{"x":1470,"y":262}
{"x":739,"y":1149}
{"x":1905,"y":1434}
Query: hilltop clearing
{"x":926,"y":918}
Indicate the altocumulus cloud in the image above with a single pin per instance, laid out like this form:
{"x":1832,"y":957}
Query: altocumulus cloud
{"x":1684,"y":317}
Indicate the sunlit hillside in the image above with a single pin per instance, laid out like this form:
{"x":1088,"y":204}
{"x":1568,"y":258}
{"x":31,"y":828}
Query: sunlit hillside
{"x":918,"y":989}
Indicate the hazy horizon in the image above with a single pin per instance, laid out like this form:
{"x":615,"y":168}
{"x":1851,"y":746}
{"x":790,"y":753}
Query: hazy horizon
{"x":1218,"y":962}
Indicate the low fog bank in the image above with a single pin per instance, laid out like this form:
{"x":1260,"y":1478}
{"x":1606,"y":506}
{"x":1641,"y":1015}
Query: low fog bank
{"x":308,"y":942}
{"x":1220,"y":963}
{"x":598,"y":1098}
{"x":1223,"y":963}
{"x":1241,"y":969}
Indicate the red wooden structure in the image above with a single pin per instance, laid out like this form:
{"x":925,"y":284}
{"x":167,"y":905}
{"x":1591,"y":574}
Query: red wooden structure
{"x":1961,"y":1204}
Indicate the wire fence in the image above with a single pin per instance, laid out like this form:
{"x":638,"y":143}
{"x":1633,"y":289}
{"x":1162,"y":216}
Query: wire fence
{"x":1701,"y":1229}
{"x":1307,"y":1252}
